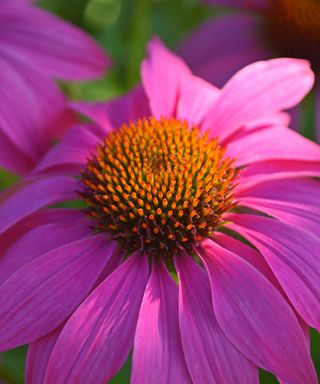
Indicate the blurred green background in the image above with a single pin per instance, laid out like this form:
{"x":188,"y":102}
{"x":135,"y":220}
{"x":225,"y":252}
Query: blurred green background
{"x":123,"y":28}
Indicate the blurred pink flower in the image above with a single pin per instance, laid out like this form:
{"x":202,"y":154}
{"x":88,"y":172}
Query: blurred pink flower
{"x":36,"y":46}
{"x":256,"y":30}
{"x":162,"y":196}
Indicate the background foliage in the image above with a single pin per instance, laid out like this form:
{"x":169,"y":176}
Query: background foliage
{"x":123,"y":27}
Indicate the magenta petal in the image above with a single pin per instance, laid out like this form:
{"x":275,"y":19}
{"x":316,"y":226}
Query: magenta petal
{"x":73,"y":151}
{"x":112,"y":114}
{"x":52,"y":236}
{"x":30,"y":130}
{"x":33,"y":197}
{"x":293,"y":255}
{"x":34,"y":36}
{"x":260,"y":88}
{"x":14,"y":233}
{"x":99,"y":336}
{"x":43,"y":293}
{"x":275,"y":143}
{"x":12,"y":158}
{"x":157,"y":354}
{"x":38,"y":356}
{"x":162,"y":85}
{"x":210,"y":356}
{"x":255,"y":317}
{"x":249,"y":254}
{"x":96,"y":111}
{"x":298,"y":215}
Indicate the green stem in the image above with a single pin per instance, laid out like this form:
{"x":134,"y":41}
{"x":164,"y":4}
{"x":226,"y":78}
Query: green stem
{"x":71,"y":10}
{"x":4,"y":375}
{"x":140,"y":32}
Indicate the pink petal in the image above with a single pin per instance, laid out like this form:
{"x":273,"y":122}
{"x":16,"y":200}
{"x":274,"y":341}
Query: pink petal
{"x":294,"y":190}
{"x":52,"y":236}
{"x":255,"y":317}
{"x":195,"y":100}
{"x":73,"y":151}
{"x":275,"y":143}
{"x":270,"y":119}
{"x":256,"y":173}
{"x":34,"y":36}
{"x":210,"y":356}
{"x":38,"y":356}
{"x":260,"y":88}
{"x":220,"y":47}
{"x":99,"y":336}
{"x":292,"y":254}
{"x":161,"y":74}
{"x":157,"y":354}
{"x":43,"y":293}
{"x":33,"y":197}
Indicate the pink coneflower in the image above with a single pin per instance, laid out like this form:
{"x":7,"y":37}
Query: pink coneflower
{"x":36,"y":46}
{"x":153,"y":263}
{"x":257,"y":30}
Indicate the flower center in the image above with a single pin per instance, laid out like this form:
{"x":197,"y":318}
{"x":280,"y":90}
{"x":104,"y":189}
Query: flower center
{"x":158,"y":186}
{"x":293,"y":28}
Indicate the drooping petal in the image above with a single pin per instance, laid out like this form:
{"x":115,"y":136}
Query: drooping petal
{"x":255,"y":317}
{"x":51,"y":45}
{"x":12,"y":158}
{"x":29,"y":128}
{"x":38,"y":356}
{"x":251,"y":255}
{"x":219,"y":48}
{"x":158,"y":356}
{"x":259,"y":88}
{"x":210,"y":356}
{"x":52,"y":236}
{"x":273,"y":143}
{"x":33,"y":197}
{"x":292,"y":254}
{"x":99,"y":336}
{"x":162,"y":85}
{"x":43,"y":293}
